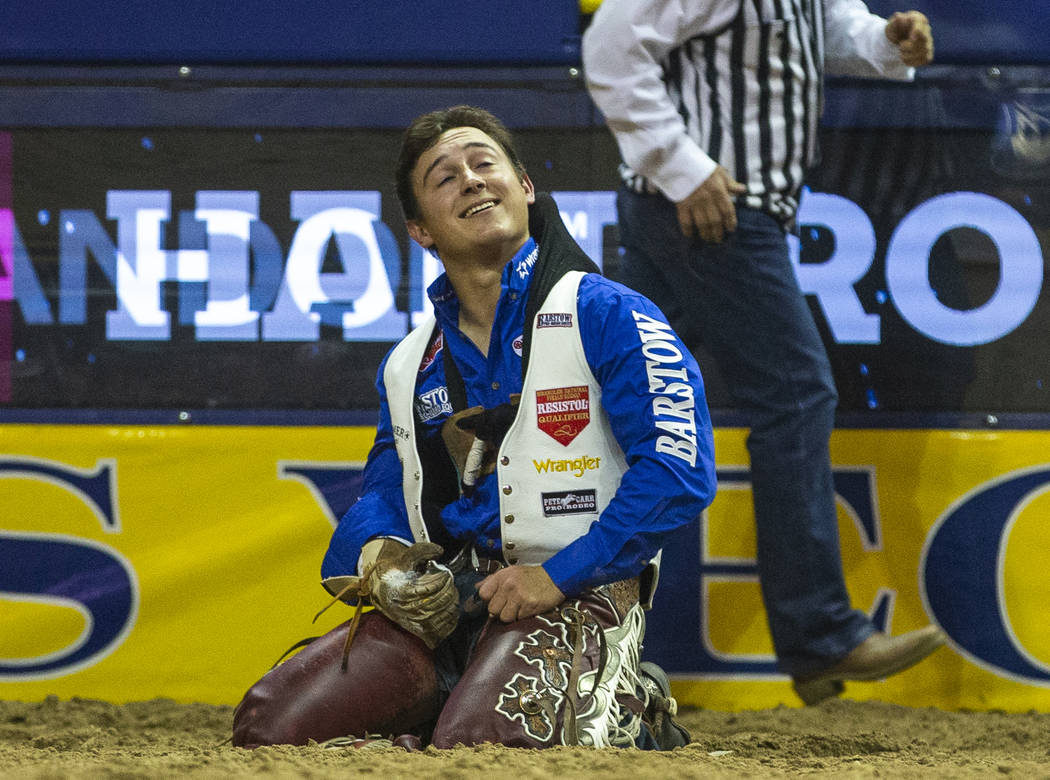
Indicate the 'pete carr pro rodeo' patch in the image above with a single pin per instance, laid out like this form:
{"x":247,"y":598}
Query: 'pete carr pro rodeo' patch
{"x":569,"y":502}
{"x":562,"y":412}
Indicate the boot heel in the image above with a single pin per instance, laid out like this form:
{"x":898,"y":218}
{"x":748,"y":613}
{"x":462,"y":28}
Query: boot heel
{"x":815,"y":691}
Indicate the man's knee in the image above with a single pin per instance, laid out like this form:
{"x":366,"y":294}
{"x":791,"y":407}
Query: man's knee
{"x":517,"y":687}
{"x":389,"y":686}
{"x":474,"y":713}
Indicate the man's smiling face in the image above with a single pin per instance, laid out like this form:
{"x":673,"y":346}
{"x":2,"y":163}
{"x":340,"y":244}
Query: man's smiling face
{"x":472,"y":202}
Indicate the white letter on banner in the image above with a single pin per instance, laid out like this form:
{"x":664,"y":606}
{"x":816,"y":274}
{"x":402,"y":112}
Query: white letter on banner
{"x":141,"y":264}
{"x":362,"y":291}
{"x":228,"y":217}
{"x":1020,"y":264}
{"x":585,"y":215}
{"x":576,"y":224}
{"x":832,"y":281}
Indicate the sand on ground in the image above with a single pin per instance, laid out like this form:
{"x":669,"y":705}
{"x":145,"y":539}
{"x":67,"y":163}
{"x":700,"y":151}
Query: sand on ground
{"x":83,"y":738}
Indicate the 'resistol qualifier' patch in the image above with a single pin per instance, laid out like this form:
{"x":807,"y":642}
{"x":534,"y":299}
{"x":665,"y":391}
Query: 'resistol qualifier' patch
{"x":562,"y":412}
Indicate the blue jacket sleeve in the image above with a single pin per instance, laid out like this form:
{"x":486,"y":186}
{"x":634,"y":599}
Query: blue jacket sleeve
{"x":380,"y":510}
{"x":654,"y":397}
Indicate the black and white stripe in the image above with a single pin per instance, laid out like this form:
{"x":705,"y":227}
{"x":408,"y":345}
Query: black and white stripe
{"x":750,"y":95}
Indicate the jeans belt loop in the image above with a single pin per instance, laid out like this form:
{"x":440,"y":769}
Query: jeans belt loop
{"x":484,"y":565}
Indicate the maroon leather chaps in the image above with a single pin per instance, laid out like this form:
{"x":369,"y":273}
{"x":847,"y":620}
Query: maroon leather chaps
{"x":389,"y":687}
{"x":514,"y":690}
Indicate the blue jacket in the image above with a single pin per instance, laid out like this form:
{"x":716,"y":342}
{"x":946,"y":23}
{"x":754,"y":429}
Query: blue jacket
{"x":659,"y":492}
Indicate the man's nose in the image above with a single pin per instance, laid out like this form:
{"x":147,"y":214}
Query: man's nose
{"x":472,"y":182}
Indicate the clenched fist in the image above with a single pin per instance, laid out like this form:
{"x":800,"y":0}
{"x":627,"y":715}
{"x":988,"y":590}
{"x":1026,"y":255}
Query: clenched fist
{"x":910,"y":33}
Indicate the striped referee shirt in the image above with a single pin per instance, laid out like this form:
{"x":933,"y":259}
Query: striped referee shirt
{"x":687,"y":85}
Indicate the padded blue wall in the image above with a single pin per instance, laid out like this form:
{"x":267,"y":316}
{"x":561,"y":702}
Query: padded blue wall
{"x":467,"y":32}
{"x":982,"y":32}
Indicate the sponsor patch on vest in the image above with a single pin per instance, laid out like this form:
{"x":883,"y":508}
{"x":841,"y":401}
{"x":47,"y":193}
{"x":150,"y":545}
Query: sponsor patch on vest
{"x":554,"y":320}
{"x":433,"y":403}
{"x":432,"y":352}
{"x":562,"y":412}
{"x":569,"y":502}
{"x":575,"y":466}
{"x":518,"y":345}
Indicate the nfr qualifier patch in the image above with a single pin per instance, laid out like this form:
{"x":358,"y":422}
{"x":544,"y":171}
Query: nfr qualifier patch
{"x":562,"y":412}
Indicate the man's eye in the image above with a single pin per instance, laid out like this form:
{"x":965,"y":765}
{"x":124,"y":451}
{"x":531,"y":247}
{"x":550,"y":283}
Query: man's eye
{"x":445,"y":180}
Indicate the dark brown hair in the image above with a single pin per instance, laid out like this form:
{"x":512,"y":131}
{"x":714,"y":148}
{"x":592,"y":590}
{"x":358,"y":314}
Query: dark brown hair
{"x":424,"y":132}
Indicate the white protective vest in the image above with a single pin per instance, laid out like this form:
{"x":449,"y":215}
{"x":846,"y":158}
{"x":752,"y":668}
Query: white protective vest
{"x":559,"y":464}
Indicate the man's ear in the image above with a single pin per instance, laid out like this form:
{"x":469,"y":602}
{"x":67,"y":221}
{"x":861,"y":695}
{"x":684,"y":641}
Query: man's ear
{"x":530,"y":190}
{"x":419,"y":234}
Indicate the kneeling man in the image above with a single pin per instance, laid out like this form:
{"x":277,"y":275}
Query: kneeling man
{"x":539,"y":439}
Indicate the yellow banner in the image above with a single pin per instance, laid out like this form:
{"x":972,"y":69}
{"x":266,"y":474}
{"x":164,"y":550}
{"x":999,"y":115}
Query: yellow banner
{"x":954,"y":529}
{"x":220,"y":529}
{"x":181,"y":561}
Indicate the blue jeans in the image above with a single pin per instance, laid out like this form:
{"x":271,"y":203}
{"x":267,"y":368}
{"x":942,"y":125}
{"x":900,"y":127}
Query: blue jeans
{"x":742,"y":299}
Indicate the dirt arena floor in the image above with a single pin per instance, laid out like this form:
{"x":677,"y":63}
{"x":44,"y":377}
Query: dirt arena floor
{"x":162,"y":739}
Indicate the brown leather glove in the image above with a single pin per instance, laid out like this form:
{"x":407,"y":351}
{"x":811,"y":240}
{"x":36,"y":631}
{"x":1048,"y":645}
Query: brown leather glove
{"x":408,"y":586}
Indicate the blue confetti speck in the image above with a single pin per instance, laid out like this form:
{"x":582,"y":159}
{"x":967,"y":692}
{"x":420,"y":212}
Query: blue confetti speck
{"x":20,"y":355}
{"x":147,"y":142}
{"x":863,"y":369}
{"x":258,"y":138}
{"x":873,"y":402}
{"x":91,"y":358}
{"x":43,"y":216}
{"x":881,"y":296}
